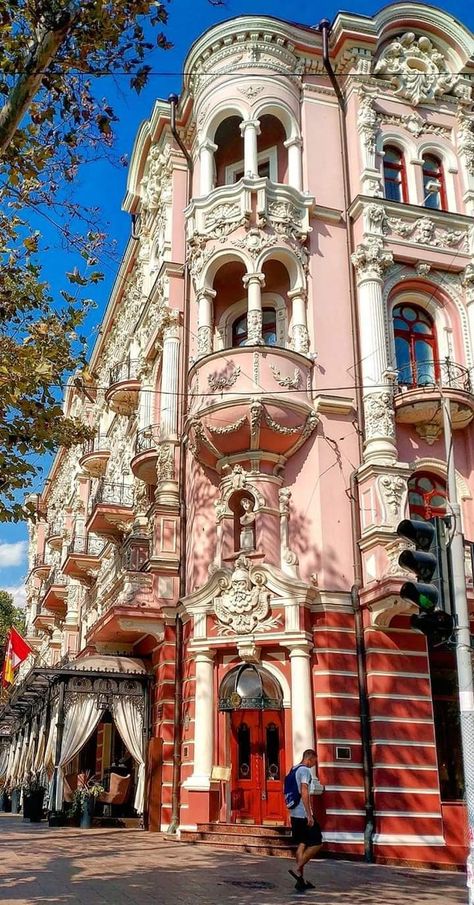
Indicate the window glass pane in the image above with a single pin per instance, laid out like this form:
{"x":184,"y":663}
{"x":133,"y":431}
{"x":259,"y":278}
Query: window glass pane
{"x":392,"y":155}
{"x":243,"y":741}
{"x":402,"y":352}
{"x":392,"y":191}
{"x":425,"y":484}
{"x":424,"y":362}
{"x":272,"y":752}
{"x":432,"y":199}
{"x":401,"y":325}
{"x":415,"y":499}
{"x":421,"y":328}
{"x":431,"y":164}
{"x":409,"y":313}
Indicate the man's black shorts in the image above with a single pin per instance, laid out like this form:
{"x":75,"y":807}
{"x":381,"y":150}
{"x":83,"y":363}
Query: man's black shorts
{"x":302,"y":833}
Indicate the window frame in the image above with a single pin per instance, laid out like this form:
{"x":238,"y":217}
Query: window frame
{"x":269,"y":155}
{"x":427,"y":511}
{"x":440,"y":177}
{"x":402,"y":170}
{"x":410,"y":336}
{"x":243,"y":315}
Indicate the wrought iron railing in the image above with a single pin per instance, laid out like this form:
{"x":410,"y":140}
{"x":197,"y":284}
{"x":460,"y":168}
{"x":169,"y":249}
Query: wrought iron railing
{"x":90,"y":545}
{"x":124,"y":370}
{"x":40,"y":559}
{"x":97,"y":443}
{"x":56,"y":528}
{"x":115,"y":494}
{"x":147,"y":438}
{"x":431,"y":373}
{"x":56,"y":578}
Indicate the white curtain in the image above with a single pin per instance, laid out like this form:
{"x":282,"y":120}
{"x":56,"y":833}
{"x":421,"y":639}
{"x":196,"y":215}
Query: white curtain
{"x":4,"y":758}
{"x":129,"y":721}
{"x":37,"y":764}
{"x":50,"y":747}
{"x":22,"y":759}
{"x":80,"y":721}
{"x":30,"y":752}
{"x":11,"y":758}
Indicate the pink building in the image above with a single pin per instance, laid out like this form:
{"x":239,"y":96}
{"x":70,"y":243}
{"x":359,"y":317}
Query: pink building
{"x":298,"y":286}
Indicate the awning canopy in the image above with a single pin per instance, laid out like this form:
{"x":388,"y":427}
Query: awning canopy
{"x":30,"y":697}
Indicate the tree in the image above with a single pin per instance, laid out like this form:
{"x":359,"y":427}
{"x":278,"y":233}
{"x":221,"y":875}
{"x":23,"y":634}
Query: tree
{"x":50,"y":123}
{"x":10,"y":615}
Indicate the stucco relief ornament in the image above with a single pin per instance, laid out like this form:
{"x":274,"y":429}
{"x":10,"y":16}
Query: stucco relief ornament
{"x":467,"y":281}
{"x":392,"y":488}
{"x":371,"y":260}
{"x":223,"y":381}
{"x":379,"y":421}
{"x":417,"y":71}
{"x":367,"y":120}
{"x":243,"y":604}
{"x":465,"y":137}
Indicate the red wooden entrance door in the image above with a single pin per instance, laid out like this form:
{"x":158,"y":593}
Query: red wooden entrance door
{"x":257,"y":747}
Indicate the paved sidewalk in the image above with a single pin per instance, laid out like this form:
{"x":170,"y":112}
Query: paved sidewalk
{"x":129,"y":867}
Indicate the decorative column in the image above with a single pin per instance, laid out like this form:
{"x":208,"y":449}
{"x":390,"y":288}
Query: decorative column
{"x":465,"y":143}
{"x":254,"y":282}
{"x":467,"y":281}
{"x":299,"y":330}
{"x":295,"y":168}
{"x":367,"y":126}
{"x":250,"y":129}
{"x":145,"y":407}
{"x":205,"y":301}
{"x":301,"y":699}
{"x":371,"y":261}
{"x":169,"y":381}
{"x":203,"y":721}
{"x":207,"y":150}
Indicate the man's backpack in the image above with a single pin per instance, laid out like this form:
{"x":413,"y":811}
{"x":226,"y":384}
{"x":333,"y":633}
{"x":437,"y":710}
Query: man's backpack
{"x":290,"y":790}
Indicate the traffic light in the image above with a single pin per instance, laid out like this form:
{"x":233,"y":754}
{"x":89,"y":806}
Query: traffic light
{"x":430,"y":591}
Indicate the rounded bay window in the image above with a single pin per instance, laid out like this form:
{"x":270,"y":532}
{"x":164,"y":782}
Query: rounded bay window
{"x":250,"y":687}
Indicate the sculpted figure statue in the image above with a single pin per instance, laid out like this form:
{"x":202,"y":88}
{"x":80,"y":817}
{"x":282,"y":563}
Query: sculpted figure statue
{"x":247,"y":524}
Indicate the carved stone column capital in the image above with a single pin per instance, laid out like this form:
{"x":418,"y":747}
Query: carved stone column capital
{"x":371,"y":260}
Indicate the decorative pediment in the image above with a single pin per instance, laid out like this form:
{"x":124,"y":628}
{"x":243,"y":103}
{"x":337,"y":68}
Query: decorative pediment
{"x":416,"y":69}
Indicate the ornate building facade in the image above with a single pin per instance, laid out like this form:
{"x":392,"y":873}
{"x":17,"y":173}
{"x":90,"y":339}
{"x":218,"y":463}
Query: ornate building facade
{"x":297,"y":293}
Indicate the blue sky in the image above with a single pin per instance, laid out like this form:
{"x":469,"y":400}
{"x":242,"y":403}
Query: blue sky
{"x":101,"y":183}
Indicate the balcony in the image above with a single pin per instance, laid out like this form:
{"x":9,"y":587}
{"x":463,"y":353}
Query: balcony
{"x":124,"y":387}
{"x":83,"y":559}
{"x":95,"y":455}
{"x":110,"y":510}
{"x":259,"y":202}
{"x":41,"y":567}
{"x":144,"y":461}
{"x":419,"y":403}
{"x":127,"y":611}
{"x":44,"y":620}
{"x":55,"y":593}
{"x":55,"y":534}
{"x":247,"y":400}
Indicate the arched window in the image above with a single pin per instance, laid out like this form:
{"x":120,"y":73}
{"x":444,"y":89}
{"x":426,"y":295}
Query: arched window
{"x":416,"y":349}
{"x":269,"y":332}
{"x":394,"y":174}
{"x":434,"y":189}
{"x":426,"y":495}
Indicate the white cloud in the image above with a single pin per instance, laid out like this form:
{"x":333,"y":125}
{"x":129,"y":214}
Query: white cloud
{"x":19,"y":595}
{"x":13,"y":554}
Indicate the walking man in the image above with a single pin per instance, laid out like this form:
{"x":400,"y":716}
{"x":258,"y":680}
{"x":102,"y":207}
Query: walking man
{"x":306,"y":832}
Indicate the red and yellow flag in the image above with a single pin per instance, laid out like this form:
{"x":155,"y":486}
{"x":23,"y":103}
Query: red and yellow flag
{"x":17,"y":650}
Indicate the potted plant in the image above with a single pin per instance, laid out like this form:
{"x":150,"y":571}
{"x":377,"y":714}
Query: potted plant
{"x":85,"y":797}
{"x":33,"y":797}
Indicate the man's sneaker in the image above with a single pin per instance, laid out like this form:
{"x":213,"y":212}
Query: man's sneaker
{"x":301,"y":885}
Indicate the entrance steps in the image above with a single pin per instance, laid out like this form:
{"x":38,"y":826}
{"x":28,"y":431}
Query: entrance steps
{"x":243,"y":837}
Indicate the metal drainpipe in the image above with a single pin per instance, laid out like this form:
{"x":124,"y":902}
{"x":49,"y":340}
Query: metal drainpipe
{"x":178,"y":688}
{"x":325,"y":29}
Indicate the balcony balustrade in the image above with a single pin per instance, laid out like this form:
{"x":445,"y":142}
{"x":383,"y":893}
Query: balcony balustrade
{"x":55,"y":593}
{"x":124,"y":387}
{"x":40,"y":567}
{"x":110,"y":510}
{"x":249,"y":399}
{"x":95,"y":455}
{"x":144,"y":461}
{"x":55,"y":533}
{"x":83,"y":558}
{"x":44,"y":620}
{"x":418,"y":396}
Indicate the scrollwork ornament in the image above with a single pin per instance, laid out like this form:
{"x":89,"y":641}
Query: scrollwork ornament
{"x":243,"y":603}
{"x":416,"y":69}
{"x":223,"y":381}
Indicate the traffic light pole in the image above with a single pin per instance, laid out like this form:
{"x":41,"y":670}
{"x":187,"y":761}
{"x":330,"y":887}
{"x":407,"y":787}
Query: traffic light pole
{"x":463,"y":643}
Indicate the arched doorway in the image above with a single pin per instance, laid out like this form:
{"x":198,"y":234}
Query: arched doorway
{"x":254,"y":701}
